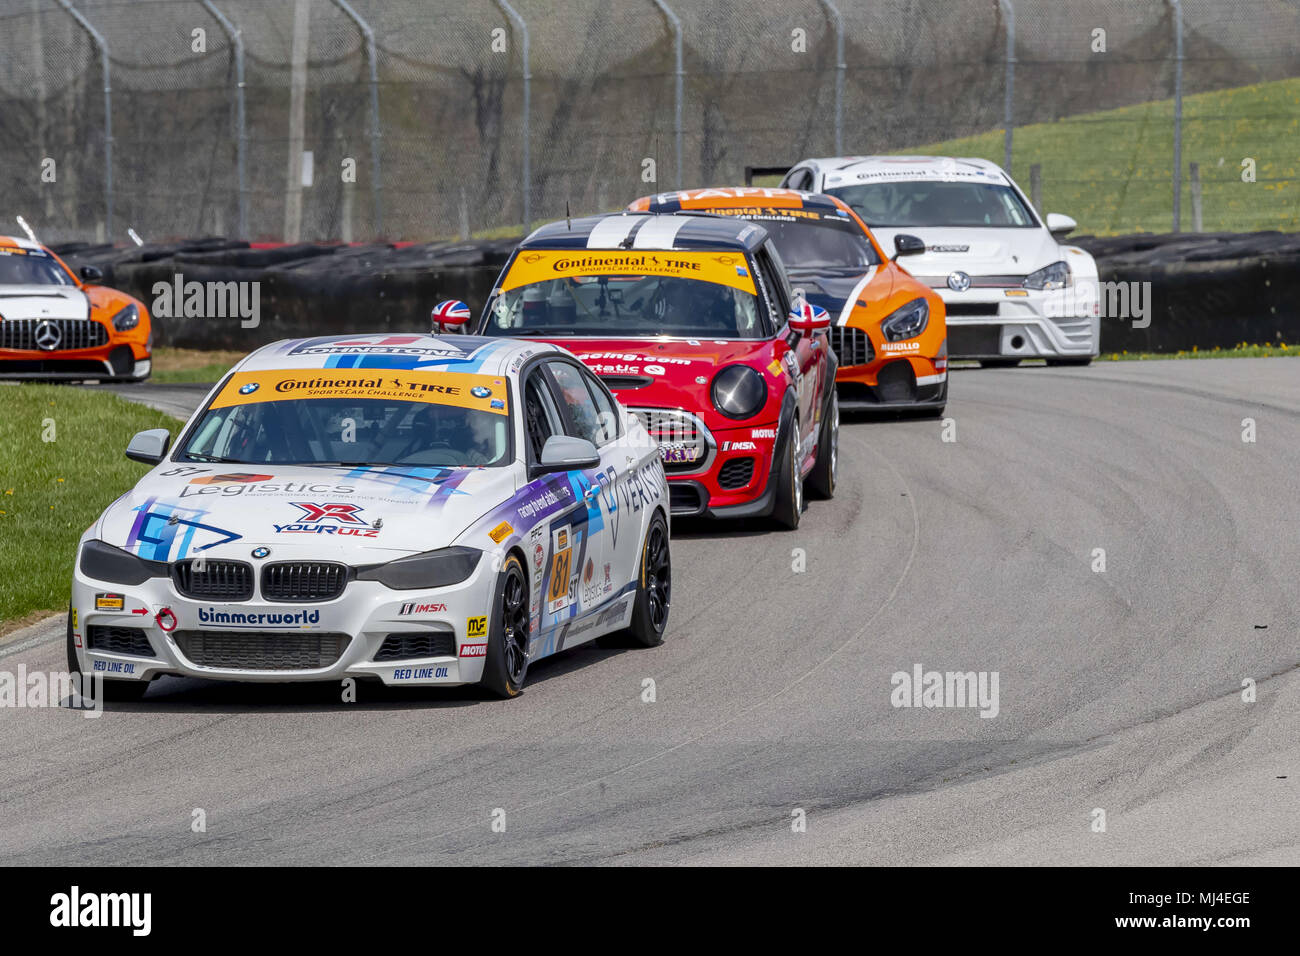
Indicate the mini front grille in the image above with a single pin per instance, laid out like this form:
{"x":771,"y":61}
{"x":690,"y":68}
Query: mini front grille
{"x":208,"y":579}
{"x":303,"y":581}
{"x":852,"y":346}
{"x":401,"y":647}
{"x":51,"y":335}
{"x":262,"y":650}
{"x":685,"y":444}
{"x":736,"y":473}
{"x":118,"y":640}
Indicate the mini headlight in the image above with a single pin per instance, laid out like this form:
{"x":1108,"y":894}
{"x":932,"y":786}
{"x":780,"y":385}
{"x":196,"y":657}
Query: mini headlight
{"x":432,"y":569}
{"x":906,"y":322}
{"x":1055,"y":276}
{"x":739,"y":391}
{"x":103,"y":562}
{"x":127,"y":318}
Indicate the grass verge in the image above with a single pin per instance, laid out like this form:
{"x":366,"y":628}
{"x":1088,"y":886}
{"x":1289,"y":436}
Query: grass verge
{"x":61,"y":464}
{"x":175,"y":366}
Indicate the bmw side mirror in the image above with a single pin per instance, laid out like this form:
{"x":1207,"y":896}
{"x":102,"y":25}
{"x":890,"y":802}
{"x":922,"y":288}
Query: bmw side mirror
{"x":564,"y":453}
{"x":450,"y":315}
{"x":908,"y":245}
{"x":1060,"y":226}
{"x":149,"y":447}
{"x":91,"y":274}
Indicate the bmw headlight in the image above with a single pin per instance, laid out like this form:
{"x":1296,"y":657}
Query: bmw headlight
{"x":739,"y":391}
{"x":432,"y":569}
{"x":127,"y":318}
{"x":103,"y":562}
{"x":907,"y":322}
{"x":1055,"y":276}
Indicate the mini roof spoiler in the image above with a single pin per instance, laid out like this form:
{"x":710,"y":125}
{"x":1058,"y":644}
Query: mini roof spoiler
{"x":752,"y":171}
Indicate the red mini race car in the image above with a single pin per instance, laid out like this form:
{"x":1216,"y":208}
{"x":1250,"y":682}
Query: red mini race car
{"x":54,"y":325}
{"x":691,"y":322}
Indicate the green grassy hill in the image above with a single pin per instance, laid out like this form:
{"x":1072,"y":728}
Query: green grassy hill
{"x":1112,"y":170}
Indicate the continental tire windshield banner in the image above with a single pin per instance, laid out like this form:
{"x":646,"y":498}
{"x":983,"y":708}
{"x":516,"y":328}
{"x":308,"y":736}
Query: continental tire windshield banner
{"x":482,"y":392}
{"x":723,"y":268}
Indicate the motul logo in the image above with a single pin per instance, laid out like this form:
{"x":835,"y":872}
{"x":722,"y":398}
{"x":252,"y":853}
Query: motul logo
{"x":473,"y":650}
{"x":342,"y":512}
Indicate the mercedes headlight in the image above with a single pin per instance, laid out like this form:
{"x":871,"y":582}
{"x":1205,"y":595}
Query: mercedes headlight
{"x":103,"y":562}
{"x":432,"y":569}
{"x":907,"y":322}
{"x":739,"y":391}
{"x":127,"y":318}
{"x":1055,"y":276}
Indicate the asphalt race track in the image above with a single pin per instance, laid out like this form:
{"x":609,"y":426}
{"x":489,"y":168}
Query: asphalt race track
{"x":1119,"y":690}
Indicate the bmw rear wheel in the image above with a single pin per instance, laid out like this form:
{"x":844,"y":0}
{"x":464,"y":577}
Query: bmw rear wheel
{"x":507,"y":651}
{"x":654,"y":592}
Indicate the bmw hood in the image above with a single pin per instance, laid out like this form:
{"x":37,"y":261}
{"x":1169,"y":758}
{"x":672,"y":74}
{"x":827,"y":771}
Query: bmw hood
{"x":975,"y":251}
{"x":353,"y":515}
{"x":43,"y":302}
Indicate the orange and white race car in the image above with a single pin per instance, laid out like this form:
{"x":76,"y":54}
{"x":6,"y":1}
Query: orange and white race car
{"x":56,"y":325}
{"x":888,"y":330}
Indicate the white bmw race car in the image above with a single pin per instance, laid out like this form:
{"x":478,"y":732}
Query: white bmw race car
{"x":409,"y":508}
{"x":1012,"y":290}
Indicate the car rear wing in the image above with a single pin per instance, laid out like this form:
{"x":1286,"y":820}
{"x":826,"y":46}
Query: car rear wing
{"x":752,"y":171}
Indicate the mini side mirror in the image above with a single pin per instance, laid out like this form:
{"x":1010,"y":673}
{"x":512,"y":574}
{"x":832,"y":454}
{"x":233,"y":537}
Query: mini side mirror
{"x":149,"y":447}
{"x":806,"y":318}
{"x":450,"y":314}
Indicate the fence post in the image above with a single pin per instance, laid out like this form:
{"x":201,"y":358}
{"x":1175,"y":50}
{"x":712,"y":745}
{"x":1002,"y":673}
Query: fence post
{"x":1009,"y":15}
{"x":518,"y":21}
{"x":376,"y":176}
{"x":1194,"y":183}
{"x":97,"y":38}
{"x":1036,"y":186}
{"x":676,"y":24}
{"x":241,"y":141}
{"x":838,"y":20}
{"x":1178,"y":114}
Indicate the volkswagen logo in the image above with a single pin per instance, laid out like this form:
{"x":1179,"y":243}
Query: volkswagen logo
{"x":48,"y":336}
{"x":958,"y":281}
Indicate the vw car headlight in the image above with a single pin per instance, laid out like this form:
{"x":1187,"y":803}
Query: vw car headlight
{"x":432,"y":569}
{"x":907,"y":322}
{"x":103,"y":562}
{"x":1055,"y":276}
{"x":127,"y":318}
{"x":739,"y":391}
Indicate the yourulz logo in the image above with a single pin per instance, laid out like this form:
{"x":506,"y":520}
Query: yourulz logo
{"x":314,"y":517}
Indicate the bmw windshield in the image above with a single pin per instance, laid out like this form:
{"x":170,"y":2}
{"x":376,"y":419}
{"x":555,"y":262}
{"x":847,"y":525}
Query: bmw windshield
{"x":936,"y":203}
{"x":354,"y":417}
{"x":626,"y":294}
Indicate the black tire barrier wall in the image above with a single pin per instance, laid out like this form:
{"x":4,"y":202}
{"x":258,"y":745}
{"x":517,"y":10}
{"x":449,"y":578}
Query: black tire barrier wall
{"x":1206,"y":291}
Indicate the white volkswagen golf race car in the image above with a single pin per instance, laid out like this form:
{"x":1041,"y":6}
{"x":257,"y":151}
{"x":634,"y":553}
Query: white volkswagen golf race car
{"x":414,"y":509}
{"x":1011,"y":289}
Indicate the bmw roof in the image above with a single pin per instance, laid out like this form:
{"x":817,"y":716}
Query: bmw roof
{"x":644,"y":230}
{"x":411,"y":351}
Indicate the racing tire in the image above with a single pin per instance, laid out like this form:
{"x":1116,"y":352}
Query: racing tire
{"x":999,"y":363}
{"x":117,"y":691}
{"x":1060,"y":362}
{"x":821,"y":479}
{"x":506,"y":665}
{"x":654,"y":592}
{"x":788,"y":508}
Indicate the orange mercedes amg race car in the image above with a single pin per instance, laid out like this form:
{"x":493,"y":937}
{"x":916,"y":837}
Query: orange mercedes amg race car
{"x":888,"y":330}
{"x":56,"y":325}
